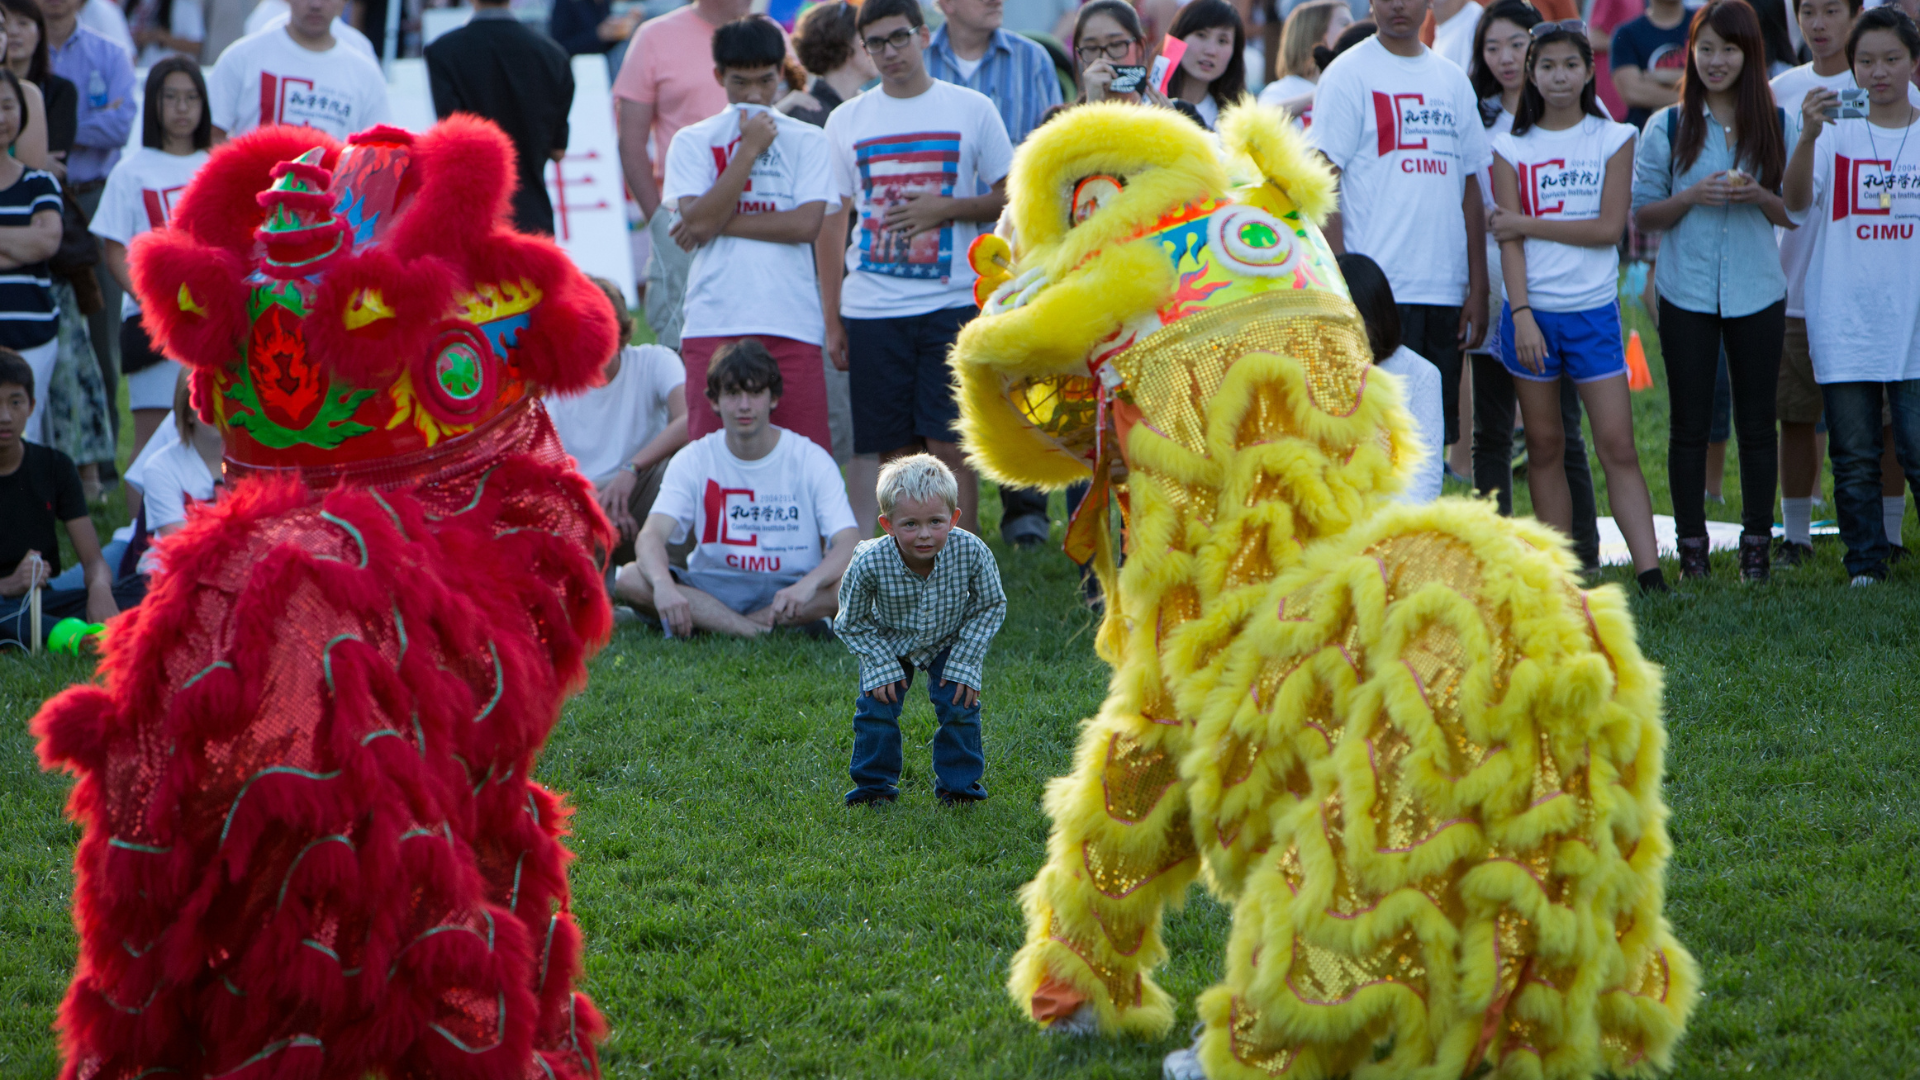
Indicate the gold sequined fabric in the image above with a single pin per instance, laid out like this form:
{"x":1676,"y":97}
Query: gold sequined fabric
{"x":1179,"y":369}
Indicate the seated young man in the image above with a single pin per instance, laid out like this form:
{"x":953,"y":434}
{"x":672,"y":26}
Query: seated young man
{"x":752,"y":186}
{"x":39,"y":486}
{"x":759,"y":501}
{"x":622,"y":435}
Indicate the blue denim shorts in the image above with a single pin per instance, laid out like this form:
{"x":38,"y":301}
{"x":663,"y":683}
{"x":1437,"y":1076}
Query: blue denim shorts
{"x":1584,"y":345}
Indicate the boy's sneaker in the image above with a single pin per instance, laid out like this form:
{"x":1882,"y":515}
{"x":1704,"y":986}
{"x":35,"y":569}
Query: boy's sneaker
{"x":1788,"y":553}
{"x":1897,"y":553}
{"x":956,"y":798}
{"x":1861,"y":581}
{"x":870,"y":798}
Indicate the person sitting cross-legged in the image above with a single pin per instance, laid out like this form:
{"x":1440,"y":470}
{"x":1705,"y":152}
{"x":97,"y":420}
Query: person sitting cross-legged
{"x":760,"y":500}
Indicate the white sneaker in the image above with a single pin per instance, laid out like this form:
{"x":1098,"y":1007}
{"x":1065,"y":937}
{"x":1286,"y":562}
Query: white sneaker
{"x":1182,"y":1065}
{"x":1084,"y":1023}
{"x":1863,"y":580}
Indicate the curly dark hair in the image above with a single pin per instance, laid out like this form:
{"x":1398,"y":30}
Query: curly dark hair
{"x":824,"y":37}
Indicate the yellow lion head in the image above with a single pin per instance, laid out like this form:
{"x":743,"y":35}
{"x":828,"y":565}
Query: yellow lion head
{"x":1145,"y":259}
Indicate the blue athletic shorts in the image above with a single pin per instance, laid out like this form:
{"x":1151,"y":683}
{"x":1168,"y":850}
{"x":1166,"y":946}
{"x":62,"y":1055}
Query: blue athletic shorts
{"x":1584,"y":345}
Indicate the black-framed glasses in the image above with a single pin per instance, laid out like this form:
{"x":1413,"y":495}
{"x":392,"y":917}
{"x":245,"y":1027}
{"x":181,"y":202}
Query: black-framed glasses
{"x":896,"y":41}
{"x":1112,"y":50}
{"x":1571,"y":26}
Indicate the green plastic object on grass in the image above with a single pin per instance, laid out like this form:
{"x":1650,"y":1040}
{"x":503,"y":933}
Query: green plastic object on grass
{"x":69,"y":632}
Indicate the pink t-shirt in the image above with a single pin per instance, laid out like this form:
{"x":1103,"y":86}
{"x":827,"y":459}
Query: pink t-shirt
{"x":1608,"y":16}
{"x":670,"y":67}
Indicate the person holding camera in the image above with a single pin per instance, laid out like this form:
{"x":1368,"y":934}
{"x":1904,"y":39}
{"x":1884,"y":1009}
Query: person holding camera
{"x":1861,"y":177}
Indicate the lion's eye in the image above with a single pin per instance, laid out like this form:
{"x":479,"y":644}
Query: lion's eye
{"x":1094,"y":192}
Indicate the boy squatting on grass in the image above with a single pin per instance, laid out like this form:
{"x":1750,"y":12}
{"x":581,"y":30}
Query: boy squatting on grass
{"x":927,"y":596}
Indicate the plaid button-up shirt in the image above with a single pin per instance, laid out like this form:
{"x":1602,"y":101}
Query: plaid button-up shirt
{"x":1016,"y":73}
{"x":888,"y":612}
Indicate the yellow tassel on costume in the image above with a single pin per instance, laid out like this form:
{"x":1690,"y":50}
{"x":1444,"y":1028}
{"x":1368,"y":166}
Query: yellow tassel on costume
{"x":1420,"y":762}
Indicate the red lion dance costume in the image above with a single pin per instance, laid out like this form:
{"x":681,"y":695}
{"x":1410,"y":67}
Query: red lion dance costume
{"x":312,"y":844}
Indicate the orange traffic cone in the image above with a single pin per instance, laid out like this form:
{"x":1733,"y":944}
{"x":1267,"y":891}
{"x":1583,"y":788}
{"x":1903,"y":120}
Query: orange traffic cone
{"x":1638,"y":377}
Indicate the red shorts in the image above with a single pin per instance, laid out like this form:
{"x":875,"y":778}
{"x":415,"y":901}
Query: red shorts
{"x":803,"y":396}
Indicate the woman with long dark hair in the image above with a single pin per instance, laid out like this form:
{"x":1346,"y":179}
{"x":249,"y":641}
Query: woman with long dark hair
{"x":1498,"y":73}
{"x":1708,"y":175}
{"x":176,"y":133}
{"x":1213,"y":71}
{"x":1563,"y":181}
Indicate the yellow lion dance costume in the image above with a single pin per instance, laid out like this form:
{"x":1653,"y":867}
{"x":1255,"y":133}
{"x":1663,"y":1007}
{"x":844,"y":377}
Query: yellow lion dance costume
{"x":1419,"y":761}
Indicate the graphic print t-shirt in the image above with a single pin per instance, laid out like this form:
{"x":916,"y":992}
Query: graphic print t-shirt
{"x":947,"y":141}
{"x":779,"y":278}
{"x":1405,"y":133}
{"x":1641,"y":44}
{"x":139,"y":198}
{"x":1790,"y":89}
{"x":269,"y":79}
{"x":1561,"y":174}
{"x":1866,"y":255}
{"x":754,"y":517}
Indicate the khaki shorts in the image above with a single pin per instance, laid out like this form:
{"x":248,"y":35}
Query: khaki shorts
{"x":1797,"y":399}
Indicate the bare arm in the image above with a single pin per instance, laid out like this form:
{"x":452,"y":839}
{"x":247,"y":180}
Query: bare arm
{"x":650,"y":551}
{"x":702,"y":217}
{"x":1797,"y":188}
{"x":799,"y":225}
{"x":115,"y":254}
{"x":1334,"y":229}
{"x":1473,"y":316}
{"x":86,"y":545}
{"x":31,"y":147}
{"x":829,"y":261}
{"x":36,"y":241}
{"x":671,"y":438}
{"x":929,"y":211}
{"x":1642,"y":90}
{"x":636,"y":121}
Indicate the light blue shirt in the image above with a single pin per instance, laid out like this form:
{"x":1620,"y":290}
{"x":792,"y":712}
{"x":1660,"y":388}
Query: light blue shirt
{"x":1015,"y":73}
{"x":103,"y":73}
{"x":1715,"y":259}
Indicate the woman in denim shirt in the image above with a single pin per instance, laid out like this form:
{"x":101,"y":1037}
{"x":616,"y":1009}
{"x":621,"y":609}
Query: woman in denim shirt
{"x":1708,"y":173}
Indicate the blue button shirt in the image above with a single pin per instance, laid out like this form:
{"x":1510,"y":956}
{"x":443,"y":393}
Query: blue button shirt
{"x":103,"y":73}
{"x":1016,"y":73}
{"x":1720,"y":259}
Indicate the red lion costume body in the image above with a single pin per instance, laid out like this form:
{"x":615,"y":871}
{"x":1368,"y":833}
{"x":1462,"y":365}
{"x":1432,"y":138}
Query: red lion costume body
{"x":313,"y":847}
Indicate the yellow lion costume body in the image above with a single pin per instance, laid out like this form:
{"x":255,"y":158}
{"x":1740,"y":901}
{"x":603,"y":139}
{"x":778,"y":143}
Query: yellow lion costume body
{"x":1419,"y":761}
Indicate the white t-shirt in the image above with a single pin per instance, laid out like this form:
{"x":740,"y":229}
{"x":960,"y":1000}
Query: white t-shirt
{"x":273,"y":14}
{"x":605,"y":426}
{"x":139,"y":197}
{"x":1796,"y":245}
{"x":948,"y":140}
{"x":1420,"y":387}
{"x":268,"y":78}
{"x":738,"y":286}
{"x":175,"y":477}
{"x":1453,"y":39}
{"x":1561,"y":175}
{"x":163,"y":438}
{"x":767,"y":516}
{"x":1406,"y":134}
{"x":1863,"y":275}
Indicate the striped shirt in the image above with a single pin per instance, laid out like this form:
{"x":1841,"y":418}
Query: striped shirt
{"x":28,"y":317}
{"x":889,"y":613}
{"x":1015,"y":73}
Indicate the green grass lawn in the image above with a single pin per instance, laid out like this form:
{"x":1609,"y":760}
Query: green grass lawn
{"x":741,"y":923}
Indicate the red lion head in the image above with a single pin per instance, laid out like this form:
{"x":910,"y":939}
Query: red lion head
{"x":371,"y":301}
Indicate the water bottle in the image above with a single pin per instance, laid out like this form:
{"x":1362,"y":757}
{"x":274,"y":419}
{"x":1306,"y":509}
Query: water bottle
{"x":96,"y":90}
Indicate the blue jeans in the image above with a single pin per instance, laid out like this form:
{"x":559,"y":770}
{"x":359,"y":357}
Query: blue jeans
{"x":1854,"y":446}
{"x":958,"y":760}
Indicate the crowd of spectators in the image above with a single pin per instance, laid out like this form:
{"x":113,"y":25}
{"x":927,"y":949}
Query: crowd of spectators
{"x":809,"y":194}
